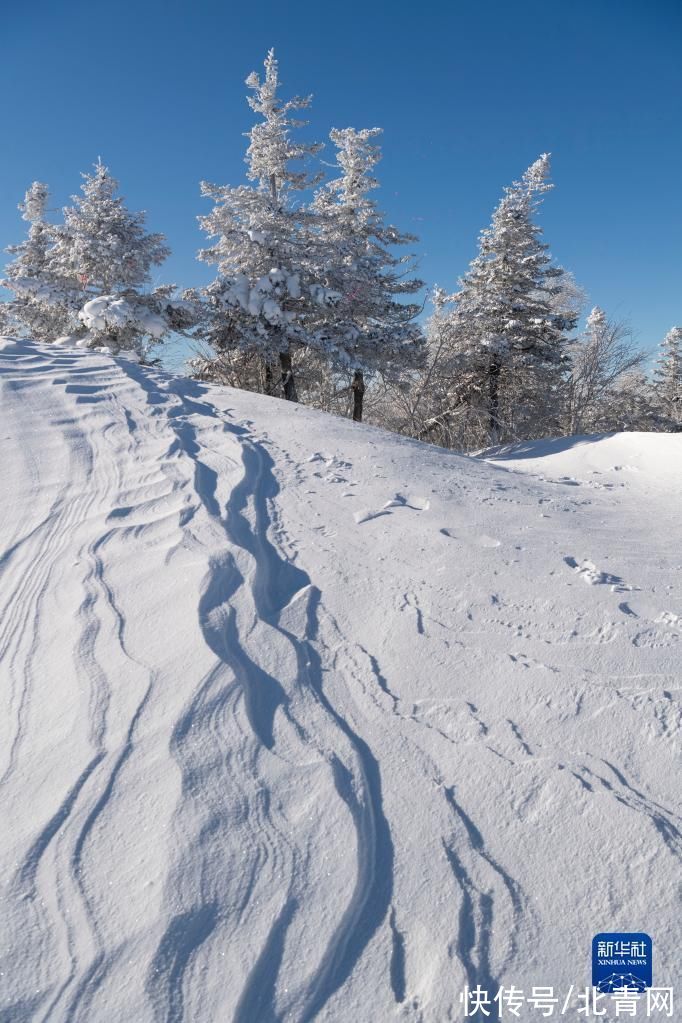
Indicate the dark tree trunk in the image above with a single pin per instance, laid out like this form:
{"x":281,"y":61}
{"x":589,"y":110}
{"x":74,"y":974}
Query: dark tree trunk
{"x":494,"y":401}
{"x":269,"y":379}
{"x":288,"y":382}
{"x":358,"y":389}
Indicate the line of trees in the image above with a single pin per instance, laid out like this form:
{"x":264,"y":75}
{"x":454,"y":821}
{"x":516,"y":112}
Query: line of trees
{"x":314,"y":299}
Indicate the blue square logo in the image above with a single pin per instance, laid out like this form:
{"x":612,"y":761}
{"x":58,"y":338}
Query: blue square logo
{"x":622,"y":960}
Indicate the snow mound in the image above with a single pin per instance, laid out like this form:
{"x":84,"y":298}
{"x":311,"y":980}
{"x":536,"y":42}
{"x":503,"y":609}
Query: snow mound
{"x":302,"y":720}
{"x":620,"y":458}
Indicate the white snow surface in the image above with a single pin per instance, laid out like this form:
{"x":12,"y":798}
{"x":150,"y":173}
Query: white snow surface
{"x":302,"y":720}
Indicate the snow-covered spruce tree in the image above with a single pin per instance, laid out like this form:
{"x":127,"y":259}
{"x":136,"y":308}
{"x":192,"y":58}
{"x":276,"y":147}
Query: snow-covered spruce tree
{"x":367,"y":326}
{"x":598,"y":360}
{"x":33,"y":279}
{"x":263,"y":300}
{"x":668,"y":378}
{"x":105,"y":244}
{"x":510,"y":335}
{"x":105,"y":249}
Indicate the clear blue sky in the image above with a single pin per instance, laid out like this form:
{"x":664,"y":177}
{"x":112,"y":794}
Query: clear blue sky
{"x":468,"y":94}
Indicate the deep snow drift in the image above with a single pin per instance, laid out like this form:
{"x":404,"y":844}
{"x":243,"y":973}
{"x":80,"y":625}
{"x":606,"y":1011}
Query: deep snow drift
{"x":301,"y":720}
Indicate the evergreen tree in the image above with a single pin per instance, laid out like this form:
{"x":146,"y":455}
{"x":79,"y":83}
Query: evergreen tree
{"x":266,"y":299}
{"x":368,"y":327}
{"x":103,"y":244}
{"x":88,"y":276}
{"x":510,"y":335}
{"x":106,"y":249}
{"x":668,"y":377}
{"x":33,"y":278}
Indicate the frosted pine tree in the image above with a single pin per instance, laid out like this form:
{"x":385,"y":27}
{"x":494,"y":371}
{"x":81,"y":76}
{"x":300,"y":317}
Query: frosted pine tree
{"x":264,"y":301}
{"x":511,"y":336}
{"x":102,"y":242}
{"x":367,"y":326}
{"x":668,"y":377}
{"x":40,"y":306}
{"x":105,"y":250}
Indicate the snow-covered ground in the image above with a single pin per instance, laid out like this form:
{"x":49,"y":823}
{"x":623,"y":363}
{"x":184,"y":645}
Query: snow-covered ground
{"x":302,"y":720}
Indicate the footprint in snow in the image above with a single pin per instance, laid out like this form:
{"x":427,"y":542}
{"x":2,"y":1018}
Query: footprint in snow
{"x":669,"y":618}
{"x":523,"y":661}
{"x":331,"y":461}
{"x":595,"y":577}
{"x":655,"y":638}
{"x":331,"y":464}
{"x":330,"y":477}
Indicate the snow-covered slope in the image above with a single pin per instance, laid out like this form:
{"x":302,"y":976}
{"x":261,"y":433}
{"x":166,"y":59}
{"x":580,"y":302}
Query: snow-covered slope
{"x":301,"y":720}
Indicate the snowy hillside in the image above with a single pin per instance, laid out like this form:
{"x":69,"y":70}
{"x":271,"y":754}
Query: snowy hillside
{"x":301,"y":720}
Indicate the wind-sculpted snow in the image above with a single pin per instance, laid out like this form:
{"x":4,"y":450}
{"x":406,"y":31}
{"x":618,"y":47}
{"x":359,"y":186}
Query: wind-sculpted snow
{"x":303,"y":721}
